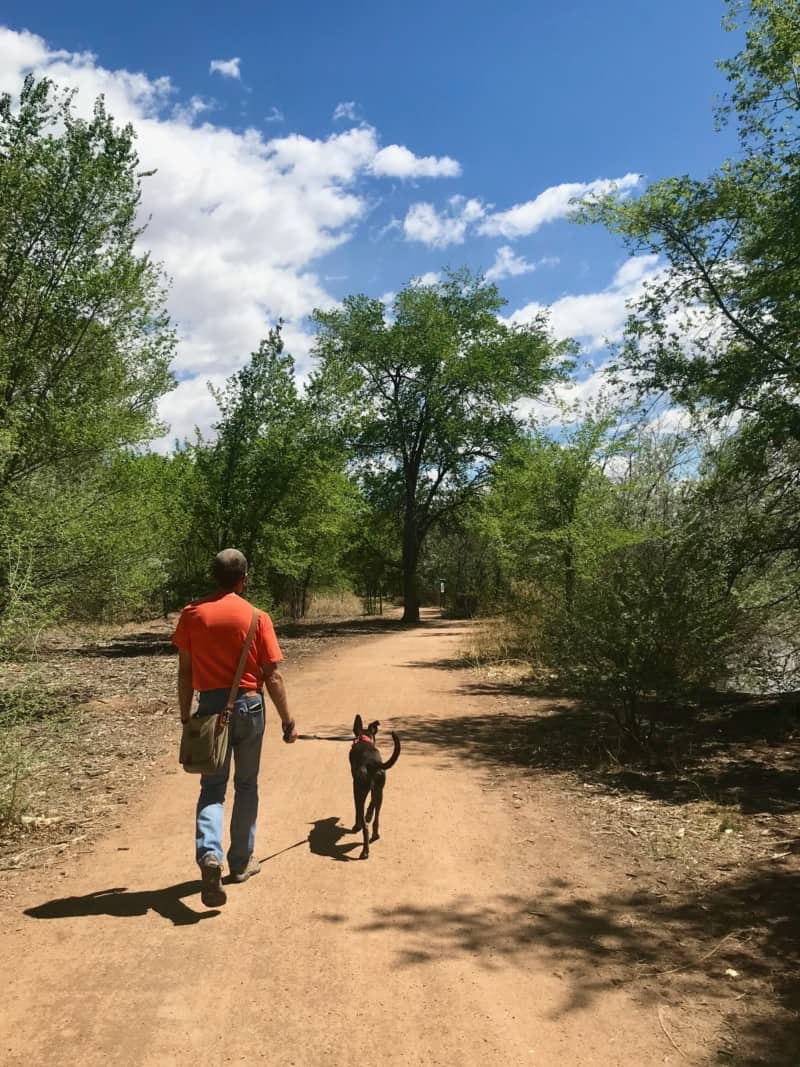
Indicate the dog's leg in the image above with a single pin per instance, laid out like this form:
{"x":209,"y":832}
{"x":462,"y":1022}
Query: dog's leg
{"x":376,"y":802}
{"x":364,"y":855}
{"x":360,"y":790}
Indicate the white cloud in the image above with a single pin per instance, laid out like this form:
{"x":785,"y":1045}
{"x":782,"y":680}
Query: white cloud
{"x":440,"y":229}
{"x":18,"y":52}
{"x":424,"y":223}
{"x":508,"y":264}
{"x":596,"y":318}
{"x":430,"y":277}
{"x":391,"y":225}
{"x":238,"y":220}
{"x":396,"y":161}
{"x":345,"y":110}
{"x":189,"y":407}
{"x":228,"y":68}
{"x":275,"y":115}
{"x":554,"y":203}
{"x":188,"y":112}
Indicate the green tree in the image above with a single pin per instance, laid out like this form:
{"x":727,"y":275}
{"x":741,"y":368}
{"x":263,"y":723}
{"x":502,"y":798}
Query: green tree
{"x":719,"y":328}
{"x":427,"y":400}
{"x":244,"y":474}
{"x":85,"y":342}
{"x":99,"y":544}
{"x":620,"y":574}
{"x":272,"y":483}
{"x":549,"y":503}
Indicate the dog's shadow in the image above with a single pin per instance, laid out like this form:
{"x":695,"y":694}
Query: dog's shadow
{"x":324,"y":837}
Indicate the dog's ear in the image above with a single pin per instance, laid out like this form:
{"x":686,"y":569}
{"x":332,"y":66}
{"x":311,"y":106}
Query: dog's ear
{"x":373,"y":727}
{"x":358,"y":726}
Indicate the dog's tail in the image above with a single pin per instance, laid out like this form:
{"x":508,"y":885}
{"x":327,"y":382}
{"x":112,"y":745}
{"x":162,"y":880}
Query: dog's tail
{"x":395,"y":753}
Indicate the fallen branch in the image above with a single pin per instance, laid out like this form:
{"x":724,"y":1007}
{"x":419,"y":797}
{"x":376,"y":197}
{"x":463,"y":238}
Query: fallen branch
{"x":669,"y":1036}
{"x":16,"y":866}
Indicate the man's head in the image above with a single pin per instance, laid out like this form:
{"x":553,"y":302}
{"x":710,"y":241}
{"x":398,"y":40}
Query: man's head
{"x":229,"y":569}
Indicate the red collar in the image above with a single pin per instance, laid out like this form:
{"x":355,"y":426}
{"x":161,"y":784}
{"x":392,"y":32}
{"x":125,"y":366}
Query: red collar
{"x":367,"y":738}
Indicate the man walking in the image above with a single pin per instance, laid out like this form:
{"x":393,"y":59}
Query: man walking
{"x":210,"y":636}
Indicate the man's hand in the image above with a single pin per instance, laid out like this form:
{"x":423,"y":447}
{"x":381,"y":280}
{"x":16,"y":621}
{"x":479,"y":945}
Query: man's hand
{"x":273,"y":682}
{"x":289,"y":732}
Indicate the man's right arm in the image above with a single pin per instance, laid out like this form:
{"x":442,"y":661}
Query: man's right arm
{"x":274,"y":684}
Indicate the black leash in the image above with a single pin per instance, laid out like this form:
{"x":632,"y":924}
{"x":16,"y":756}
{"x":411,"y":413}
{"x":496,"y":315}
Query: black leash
{"x":318,"y":737}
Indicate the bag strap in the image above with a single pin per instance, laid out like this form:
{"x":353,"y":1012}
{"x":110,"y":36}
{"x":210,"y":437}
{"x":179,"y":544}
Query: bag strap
{"x":242,"y":660}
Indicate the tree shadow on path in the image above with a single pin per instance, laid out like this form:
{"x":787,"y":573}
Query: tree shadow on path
{"x":661,"y":950}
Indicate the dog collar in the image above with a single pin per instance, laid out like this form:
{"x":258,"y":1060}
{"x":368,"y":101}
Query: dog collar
{"x":364,"y":737}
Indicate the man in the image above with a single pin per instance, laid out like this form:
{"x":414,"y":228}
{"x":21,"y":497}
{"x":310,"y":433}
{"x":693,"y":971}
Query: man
{"x":210,"y":636}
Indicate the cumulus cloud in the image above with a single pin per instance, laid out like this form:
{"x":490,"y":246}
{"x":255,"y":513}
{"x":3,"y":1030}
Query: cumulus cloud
{"x":554,"y":203}
{"x":439,"y":229}
{"x":396,"y":161}
{"x":238,"y":220}
{"x":228,"y":68}
{"x":346,"y":110}
{"x":595,"y":319}
{"x":508,"y":264}
{"x":187,"y":112}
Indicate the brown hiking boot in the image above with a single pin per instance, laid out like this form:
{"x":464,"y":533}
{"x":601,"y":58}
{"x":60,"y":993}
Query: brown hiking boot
{"x":253,"y":867}
{"x":212,"y":894}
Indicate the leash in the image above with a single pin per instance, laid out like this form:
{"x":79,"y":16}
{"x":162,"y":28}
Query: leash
{"x":318,"y":737}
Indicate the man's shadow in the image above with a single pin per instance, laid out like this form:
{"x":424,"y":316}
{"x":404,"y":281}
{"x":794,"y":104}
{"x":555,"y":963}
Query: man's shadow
{"x":324,"y":836}
{"x":122,"y":904}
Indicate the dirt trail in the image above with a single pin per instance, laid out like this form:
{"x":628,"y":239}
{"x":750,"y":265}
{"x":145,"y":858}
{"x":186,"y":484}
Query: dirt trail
{"x":426,"y":954}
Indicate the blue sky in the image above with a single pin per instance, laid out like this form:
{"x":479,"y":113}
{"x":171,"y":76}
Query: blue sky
{"x":449,"y":116}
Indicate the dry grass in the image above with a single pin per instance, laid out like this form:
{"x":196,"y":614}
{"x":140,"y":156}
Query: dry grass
{"x":343,"y":605}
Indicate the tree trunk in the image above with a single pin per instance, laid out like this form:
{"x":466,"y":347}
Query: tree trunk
{"x":410,"y":559}
{"x":569,"y":576}
{"x":304,"y":597}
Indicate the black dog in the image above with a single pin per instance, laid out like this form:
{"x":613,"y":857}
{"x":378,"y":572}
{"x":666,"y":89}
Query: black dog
{"x":369,"y":778}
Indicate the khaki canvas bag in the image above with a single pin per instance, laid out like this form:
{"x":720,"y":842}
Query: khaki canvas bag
{"x":204,"y":741}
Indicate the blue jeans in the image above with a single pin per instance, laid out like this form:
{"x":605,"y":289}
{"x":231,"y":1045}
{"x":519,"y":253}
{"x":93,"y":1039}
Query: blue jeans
{"x":245,"y":734}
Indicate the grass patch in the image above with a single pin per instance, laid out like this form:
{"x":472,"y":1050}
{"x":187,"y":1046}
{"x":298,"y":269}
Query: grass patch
{"x":36,"y":721}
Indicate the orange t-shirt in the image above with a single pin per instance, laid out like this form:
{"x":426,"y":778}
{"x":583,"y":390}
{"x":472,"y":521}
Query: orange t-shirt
{"x":213,"y":631}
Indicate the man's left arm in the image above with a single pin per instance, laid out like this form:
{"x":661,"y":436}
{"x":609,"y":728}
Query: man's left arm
{"x":185,"y":690}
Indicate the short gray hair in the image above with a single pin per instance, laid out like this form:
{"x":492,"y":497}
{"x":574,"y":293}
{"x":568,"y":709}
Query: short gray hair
{"x":229,"y":567}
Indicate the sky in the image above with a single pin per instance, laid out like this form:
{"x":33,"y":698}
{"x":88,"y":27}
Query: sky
{"x":305,"y":151}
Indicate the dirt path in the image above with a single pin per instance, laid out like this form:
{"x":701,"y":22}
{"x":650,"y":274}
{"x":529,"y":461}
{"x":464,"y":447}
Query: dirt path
{"x":430,"y":953}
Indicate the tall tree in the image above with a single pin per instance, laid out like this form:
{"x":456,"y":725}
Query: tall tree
{"x":85,"y":342}
{"x":719,"y":327}
{"x":428,"y":398}
{"x":272,"y":483}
